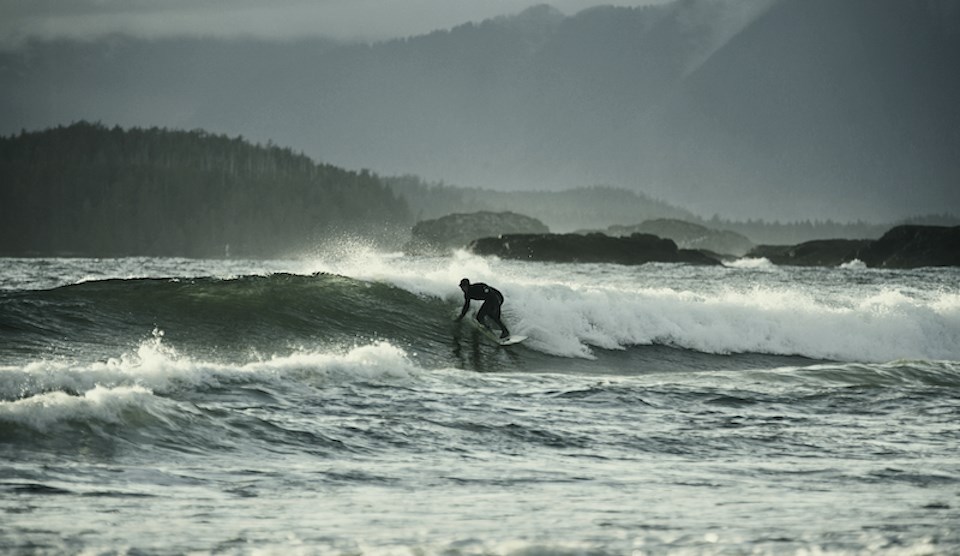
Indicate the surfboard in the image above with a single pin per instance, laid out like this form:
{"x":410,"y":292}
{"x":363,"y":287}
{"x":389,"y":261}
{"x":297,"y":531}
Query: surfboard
{"x":509,"y":341}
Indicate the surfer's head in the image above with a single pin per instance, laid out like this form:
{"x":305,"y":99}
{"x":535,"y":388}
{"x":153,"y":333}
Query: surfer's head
{"x":464,"y":284}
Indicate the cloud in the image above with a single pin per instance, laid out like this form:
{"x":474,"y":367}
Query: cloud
{"x":280,"y":19}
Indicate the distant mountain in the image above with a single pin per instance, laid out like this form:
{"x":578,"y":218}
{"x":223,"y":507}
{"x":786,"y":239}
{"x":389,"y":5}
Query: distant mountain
{"x":590,"y":208}
{"x":844,"y":103}
{"x":688,"y":235}
{"x":837,"y":109}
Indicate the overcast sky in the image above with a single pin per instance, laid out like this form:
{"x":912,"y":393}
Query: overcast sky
{"x":273,"y":19}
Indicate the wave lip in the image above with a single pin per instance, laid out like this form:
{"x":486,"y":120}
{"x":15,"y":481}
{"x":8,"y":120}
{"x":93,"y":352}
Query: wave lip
{"x":99,"y":404}
{"x":156,"y":367}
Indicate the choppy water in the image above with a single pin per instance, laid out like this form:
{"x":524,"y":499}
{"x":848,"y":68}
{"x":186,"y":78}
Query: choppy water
{"x":332,"y":406}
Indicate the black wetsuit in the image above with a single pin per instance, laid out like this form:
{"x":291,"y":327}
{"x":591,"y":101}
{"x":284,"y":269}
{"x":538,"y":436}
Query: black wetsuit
{"x":492,"y":300}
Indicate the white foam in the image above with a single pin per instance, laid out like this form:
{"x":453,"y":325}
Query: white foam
{"x":879,"y":328}
{"x":754,"y":264}
{"x":156,"y":367}
{"x":100,"y":404}
{"x":571,"y":311}
{"x":855,"y":264}
{"x":380,"y":361}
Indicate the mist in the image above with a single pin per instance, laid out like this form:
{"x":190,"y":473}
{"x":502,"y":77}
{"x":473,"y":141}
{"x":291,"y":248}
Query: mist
{"x":784,"y":109}
{"x":363,"y":20}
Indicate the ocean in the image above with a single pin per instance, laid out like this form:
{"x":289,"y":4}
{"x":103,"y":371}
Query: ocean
{"x":332,"y":405}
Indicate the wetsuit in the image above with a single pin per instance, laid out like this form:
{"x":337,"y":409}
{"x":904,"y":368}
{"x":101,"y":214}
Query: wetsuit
{"x":492,"y":300}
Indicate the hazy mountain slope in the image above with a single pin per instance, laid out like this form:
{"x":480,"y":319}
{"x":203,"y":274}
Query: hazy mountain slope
{"x":774,"y":108}
{"x":849,"y":103}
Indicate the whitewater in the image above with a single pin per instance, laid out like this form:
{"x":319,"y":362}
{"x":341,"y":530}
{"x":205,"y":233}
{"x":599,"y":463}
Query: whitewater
{"x":333,"y":405}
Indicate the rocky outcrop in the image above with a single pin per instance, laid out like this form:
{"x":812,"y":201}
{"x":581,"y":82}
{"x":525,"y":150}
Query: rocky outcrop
{"x":901,"y":247}
{"x":821,"y":252}
{"x":456,"y":231}
{"x":915,"y":246}
{"x":589,"y":248}
{"x":688,"y":235}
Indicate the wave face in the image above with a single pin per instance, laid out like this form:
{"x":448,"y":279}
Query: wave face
{"x":224,"y":316}
{"x":581,"y":312}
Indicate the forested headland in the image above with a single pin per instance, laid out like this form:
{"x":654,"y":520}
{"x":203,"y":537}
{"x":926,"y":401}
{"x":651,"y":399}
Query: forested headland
{"x":90,"y":190}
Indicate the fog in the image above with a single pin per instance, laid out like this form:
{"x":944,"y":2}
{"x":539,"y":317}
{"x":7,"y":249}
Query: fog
{"x":775,"y":109}
{"x":366,"y":20}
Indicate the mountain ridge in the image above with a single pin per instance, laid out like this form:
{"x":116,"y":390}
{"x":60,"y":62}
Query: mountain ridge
{"x":785,"y":109}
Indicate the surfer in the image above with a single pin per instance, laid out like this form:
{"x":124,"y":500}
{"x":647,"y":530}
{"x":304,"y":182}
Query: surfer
{"x":492,"y":300}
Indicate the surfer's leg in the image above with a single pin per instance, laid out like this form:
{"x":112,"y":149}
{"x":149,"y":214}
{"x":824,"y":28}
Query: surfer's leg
{"x":495,"y":316}
{"x":483,"y":313}
{"x":504,"y":333}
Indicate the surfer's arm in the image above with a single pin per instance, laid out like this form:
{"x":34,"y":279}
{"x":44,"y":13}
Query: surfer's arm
{"x":466,"y":307}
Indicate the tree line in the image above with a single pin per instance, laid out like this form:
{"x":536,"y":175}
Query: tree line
{"x":89,"y":190}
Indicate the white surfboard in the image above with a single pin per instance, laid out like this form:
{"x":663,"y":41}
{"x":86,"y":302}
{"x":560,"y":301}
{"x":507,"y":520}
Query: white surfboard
{"x":508,"y":341}
{"x":515,"y":339}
